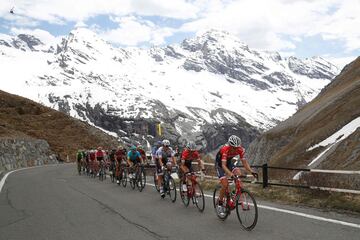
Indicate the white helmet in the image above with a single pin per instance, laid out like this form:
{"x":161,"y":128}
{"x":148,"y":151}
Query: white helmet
{"x":166,"y":142}
{"x":191,"y":145}
{"x":234,"y":141}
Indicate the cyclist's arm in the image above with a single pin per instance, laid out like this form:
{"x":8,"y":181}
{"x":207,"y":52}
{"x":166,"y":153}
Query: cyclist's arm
{"x":173,"y":160}
{"x":201,"y":163}
{"x":129,"y":162}
{"x":226,"y":170}
{"x":246,"y":165}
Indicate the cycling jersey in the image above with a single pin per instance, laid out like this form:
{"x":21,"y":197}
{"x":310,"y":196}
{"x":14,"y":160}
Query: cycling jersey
{"x":226,"y":154}
{"x":99,"y":155}
{"x":120,"y":154}
{"x":164,"y":154}
{"x":189,"y":156}
{"x":134,"y":156}
{"x":142,"y":153}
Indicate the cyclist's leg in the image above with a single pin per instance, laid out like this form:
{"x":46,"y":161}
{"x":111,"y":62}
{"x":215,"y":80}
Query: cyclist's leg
{"x":223,"y":182}
{"x":159,"y":174}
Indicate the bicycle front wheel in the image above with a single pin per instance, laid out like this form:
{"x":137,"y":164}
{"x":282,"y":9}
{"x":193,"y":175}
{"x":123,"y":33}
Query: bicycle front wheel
{"x":184,"y":197}
{"x":199,"y":197}
{"x":246,"y":210}
{"x":141,"y":180}
{"x":124,"y":177}
{"x":172,"y":189}
{"x":156,"y":183}
{"x":221,"y":211}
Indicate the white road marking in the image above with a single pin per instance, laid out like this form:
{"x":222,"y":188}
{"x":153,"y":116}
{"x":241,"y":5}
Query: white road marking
{"x":349,"y":224}
{"x":2,"y":182}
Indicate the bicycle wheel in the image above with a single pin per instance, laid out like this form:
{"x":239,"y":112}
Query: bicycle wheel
{"x":132,"y":181}
{"x":198,"y":197}
{"x":124,"y":177}
{"x":184,"y":195}
{"x":246,"y":210}
{"x":140,"y":181}
{"x":156,"y":183}
{"x":172,"y":189}
{"x":101,"y":174}
{"x":221,"y":211}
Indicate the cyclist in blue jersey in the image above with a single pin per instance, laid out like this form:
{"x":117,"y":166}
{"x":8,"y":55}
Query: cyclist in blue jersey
{"x":134,"y":159}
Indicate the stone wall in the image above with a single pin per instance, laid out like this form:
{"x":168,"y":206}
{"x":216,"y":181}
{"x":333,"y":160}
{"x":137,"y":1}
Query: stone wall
{"x":19,"y":153}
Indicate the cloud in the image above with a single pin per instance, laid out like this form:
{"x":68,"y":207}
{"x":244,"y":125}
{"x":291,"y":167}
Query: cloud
{"x":133,"y":31}
{"x":43,"y":35}
{"x":280,"y":24}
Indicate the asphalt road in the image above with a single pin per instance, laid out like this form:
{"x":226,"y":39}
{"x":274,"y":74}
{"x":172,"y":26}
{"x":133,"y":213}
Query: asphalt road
{"x":53,"y":202}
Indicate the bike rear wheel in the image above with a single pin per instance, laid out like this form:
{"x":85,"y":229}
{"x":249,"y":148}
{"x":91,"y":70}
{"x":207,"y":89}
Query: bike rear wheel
{"x":198,"y":197}
{"x":221,"y":211}
{"x":246,"y":210}
{"x":172,"y":189}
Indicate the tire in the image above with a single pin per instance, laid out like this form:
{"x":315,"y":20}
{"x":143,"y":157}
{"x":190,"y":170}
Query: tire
{"x":141,"y":180}
{"x":184,"y":197}
{"x":172,"y":189}
{"x":199,"y":197}
{"x":156,"y":183}
{"x":246,"y":210}
{"x":221,"y":216}
{"x":132,"y":182}
{"x":124,"y":178}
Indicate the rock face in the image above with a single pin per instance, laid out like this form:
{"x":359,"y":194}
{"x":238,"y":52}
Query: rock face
{"x":323,"y":134}
{"x":19,"y":153}
{"x":204,"y":89}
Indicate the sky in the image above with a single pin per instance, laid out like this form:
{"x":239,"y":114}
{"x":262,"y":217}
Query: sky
{"x":301,"y":28}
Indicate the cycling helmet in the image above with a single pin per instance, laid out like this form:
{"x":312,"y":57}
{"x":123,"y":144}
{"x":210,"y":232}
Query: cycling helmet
{"x":99,"y":148}
{"x":133,"y":148}
{"x":166,"y":142}
{"x":191,"y":145}
{"x":234,"y":141}
{"x":120,"y":147}
{"x":139,"y":147}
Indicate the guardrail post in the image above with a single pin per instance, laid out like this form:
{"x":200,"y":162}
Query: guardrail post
{"x":265,"y":175}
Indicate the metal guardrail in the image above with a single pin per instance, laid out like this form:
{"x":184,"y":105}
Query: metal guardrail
{"x":266,"y":181}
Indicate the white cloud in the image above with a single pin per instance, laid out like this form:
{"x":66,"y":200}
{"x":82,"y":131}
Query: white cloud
{"x":133,"y":31}
{"x":280,"y":24}
{"x":44,"y":36}
{"x":340,"y":62}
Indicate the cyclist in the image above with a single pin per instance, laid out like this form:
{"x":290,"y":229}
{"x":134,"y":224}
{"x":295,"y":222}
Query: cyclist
{"x":154,"y":149}
{"x":224,"y":166}
{"x":142,"y":152}
{"x":92,"y":161}
{"x":100,"y":158}
{"x":120,"y":157}
{"x":165,"y":158}
{"x":112,"y":160}
{"x":79,"y":160}
{"x":188,"y":155}
{"x":133,"y":159}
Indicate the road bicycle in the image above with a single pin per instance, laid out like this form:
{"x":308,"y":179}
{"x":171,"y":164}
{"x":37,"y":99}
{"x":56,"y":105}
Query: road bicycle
{"x":193,"y":192}
{"x":241,"y":200}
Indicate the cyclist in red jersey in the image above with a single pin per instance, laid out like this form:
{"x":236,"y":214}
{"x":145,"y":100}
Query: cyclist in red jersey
{"x":142,"y":152}
{"x":120,"y":156}
{"x":188,"y":155}
{"x":224,"y":166}
{"x":99,"y":157}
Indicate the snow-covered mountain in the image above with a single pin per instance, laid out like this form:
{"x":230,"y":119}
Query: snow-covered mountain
{"x":203,"y":89}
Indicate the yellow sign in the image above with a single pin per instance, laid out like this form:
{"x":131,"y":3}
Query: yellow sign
{"x":159,"y":129}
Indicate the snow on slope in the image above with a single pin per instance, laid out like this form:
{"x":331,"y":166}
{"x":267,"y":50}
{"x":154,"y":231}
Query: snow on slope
{"x":203,"y":74}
